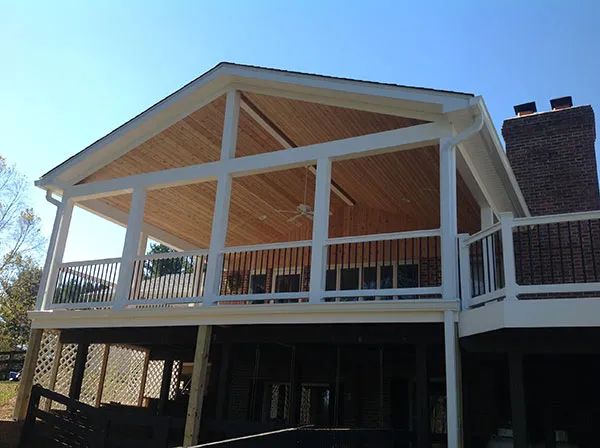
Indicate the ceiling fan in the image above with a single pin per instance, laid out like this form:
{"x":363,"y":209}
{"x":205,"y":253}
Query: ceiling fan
{"x":302,"y":210}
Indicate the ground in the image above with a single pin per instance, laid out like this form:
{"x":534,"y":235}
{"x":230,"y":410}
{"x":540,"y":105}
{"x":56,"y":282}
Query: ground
{"x":8,"y":394}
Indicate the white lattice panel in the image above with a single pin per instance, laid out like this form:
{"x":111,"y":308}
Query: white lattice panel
{"x":45,"y":360}
{"x":123,"y":375}
{"x":65,"y":371}
{"x":91,"y":377}
{"x":154,"y":379}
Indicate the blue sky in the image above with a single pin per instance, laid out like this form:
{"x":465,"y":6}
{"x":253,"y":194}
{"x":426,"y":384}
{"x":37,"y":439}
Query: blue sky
{"x":73,"y":71}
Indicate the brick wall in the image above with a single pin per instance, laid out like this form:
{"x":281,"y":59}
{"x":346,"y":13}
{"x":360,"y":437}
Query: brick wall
{"x":552,"y":156}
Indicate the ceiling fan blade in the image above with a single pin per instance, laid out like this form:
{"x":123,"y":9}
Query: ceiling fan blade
{"x":295,"y":212}
{"x":294,"y":218}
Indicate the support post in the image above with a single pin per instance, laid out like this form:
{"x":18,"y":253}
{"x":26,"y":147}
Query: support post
{"x":138,"y":271}
{"x":26,"y":382}
{"x":199,"y":382}
{"x":102,"y":376}
{"x":54,"y":371}
{"x":78,"y":370}
{"x":448,"y":219}
{"x":422,"y":392}
{"x":46,"y":293}
{"x":130,"y":248}
{"x":223,"y":381}
{"x":517,"y":399}
{"x":465,"y":271}
{"x":165,"y":385}
{"x":320,"y":230}
{"x":49,"y":256}
{"x":218,"y":233}
{"x":508,"y":256}
{"x":452,"y":386}
{"x":143,"y":379}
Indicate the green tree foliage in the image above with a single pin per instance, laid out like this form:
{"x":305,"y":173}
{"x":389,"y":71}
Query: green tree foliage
{"x":166,"y":266}
{"x":18,"y":296}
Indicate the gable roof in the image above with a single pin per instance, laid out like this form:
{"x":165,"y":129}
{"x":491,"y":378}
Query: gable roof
{"x":227,"y":73}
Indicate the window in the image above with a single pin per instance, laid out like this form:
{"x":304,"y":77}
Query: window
{"x":277,"y":405}
{"x":369,"y":280}
{"x":408,"y":276}
{"x":349,"y":278}
{"x":387,"y":277}
{"x":258,"y":283}
{"x":288,"y":283}
{"x":331,"y":280}
{"x":315,"y":404}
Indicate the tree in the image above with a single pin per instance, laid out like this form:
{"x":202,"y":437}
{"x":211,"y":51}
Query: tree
{"x":20,"y":244}
{"x":20,"y":235}
{"x":165,"y":266}
{"x":18,"y":296}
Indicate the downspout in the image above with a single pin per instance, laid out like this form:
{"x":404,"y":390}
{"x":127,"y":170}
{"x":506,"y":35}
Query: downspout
{"x":51,"y":246}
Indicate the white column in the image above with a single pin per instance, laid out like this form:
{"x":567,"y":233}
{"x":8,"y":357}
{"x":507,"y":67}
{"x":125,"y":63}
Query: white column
{"x":320,"y":230}
{"x":508,"y":256}
{"x":130,"y":248}
{"x":56,"y":251}
{"x":465,"y":271}
{"x":218,"y":232}
{"x":452,"y":384}
{"x":448,"y":219}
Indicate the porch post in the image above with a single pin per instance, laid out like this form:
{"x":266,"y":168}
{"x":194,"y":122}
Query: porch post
{"x":78,"y":370}
{"x":452,"y":384}
{"x":218,"y":233}
{"x":448,"y":220}
{"x":320,"y":230}
{"x":199,"y":381}
{"x":56,"y":252}
{"x":130,"y":248}
{"x":49,"y":255}
{"x":26,"y":382}
{"x":165,"y":385}
{"x":508,"y":256}
{"x":517,"y":399}
{"x":487,"y":219}
{"x":465,"y":271}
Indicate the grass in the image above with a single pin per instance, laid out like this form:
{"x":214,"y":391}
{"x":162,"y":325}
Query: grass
{"x":8,"y":395}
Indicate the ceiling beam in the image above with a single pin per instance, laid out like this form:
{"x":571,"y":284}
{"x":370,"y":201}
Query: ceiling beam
{"x":274,"y":131}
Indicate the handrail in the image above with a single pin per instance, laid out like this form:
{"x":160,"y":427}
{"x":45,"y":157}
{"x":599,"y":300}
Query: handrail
{"x":384,"y":236}
{"x":167,"y":255}
{"x":482,"y":234}
{"x":548,"y":219}
{"x":87,"y":262}
{"x":267,"y":246}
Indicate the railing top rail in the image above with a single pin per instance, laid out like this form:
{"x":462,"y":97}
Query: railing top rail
{"x":548,"y":219}
{"x":267,"y":246}
{"x":167,"y":255}
{"x":88,"y":262}
{"x":483,"y":233}
{"x":384,"y":236}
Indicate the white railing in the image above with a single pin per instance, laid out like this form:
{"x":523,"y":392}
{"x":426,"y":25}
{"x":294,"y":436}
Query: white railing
{"x":553,"y":256}
{"x":167,"y":278}
{"x":388,"y":266}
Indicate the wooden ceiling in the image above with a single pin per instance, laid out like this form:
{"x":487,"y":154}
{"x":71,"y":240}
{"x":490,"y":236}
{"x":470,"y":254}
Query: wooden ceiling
{"x":392,"y":192}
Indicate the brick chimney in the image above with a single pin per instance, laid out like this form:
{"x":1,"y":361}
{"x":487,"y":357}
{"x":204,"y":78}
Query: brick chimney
{"x":553,"y":158}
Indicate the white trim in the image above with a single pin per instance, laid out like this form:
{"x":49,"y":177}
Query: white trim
{"x":167,"y":255}
{"x":267,"y":246}
{"x":487,"y":297}
{"x":81,"y":305}
{"x":383,"y":292}
{"x":394,"y":140}
{"x":263,"y":296}
{"x":534,"y":313}
{"x":383,"y":236}
{"x":508,"y":255}
{"x":558,"y":288}
{"x":291,"y":313}
{"x":550,"y":219}
{"x":89,"y":262}
{"x":482,"y":234}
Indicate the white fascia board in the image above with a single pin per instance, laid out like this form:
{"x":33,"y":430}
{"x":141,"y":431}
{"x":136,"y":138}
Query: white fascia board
{"x":418,"y":311}
{"x":413,"y":98}
{"x":428,"y":105}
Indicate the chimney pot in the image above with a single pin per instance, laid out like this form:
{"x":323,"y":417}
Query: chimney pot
{"x":561,"y":103}
{"x":525,"y":109}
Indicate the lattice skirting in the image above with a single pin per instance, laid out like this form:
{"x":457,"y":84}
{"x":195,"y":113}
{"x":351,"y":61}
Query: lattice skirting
{"x":113,"y":373}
